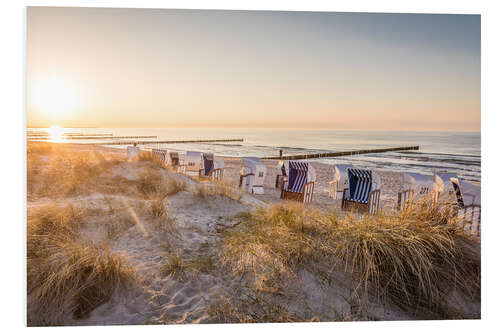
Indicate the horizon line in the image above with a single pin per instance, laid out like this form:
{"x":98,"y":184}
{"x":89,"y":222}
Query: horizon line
{"x":260,"y":128}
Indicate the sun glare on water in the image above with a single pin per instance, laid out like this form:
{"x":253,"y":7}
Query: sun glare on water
{"x":56,"y":133}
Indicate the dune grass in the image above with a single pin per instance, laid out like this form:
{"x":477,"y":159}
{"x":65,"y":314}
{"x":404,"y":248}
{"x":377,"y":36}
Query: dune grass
{"x":148,"y":156}
{"x":59,"y":172}
{"x":65,"y":172}
{"x":175,"y":185}
{"x":68,"y":276}
{"x":210,"y":188}
{"x":413,"y":259}
{"x":253,"y":308}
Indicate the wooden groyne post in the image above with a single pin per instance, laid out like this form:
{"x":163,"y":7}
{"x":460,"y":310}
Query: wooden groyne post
{"x":340,"y":153}
{"x":97,"y":137}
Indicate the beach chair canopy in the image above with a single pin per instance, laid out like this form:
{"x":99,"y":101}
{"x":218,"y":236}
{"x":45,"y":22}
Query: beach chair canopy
{"x":340,"y":171}
{"x":340,"y":175}
{"x":422,"y":184}
{"x":255,"y":166}
{"x":361,"y":183}
{"x":194,"y":161}
{"x":162,"y":155}
{"x":466,"y":193}
{"x":299,"y":173}
{"x":252,"y":165}
{"x":211,"y":162}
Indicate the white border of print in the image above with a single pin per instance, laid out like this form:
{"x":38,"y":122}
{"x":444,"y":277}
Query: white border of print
{"x":13,"y":193}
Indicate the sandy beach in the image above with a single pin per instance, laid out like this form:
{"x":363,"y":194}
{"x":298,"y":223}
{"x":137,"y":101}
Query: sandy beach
{"x":176,"y":256}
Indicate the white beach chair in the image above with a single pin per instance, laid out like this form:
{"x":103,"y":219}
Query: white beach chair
{"x":298,"y":185}
{"x":340,"y":180}
{"x":468,"y":205}
{"x":177,"y":161}
{"x":363,"y":191}
{"x":419,"y":187}
{"x":252,"y":175}
{"x":194,"y":163}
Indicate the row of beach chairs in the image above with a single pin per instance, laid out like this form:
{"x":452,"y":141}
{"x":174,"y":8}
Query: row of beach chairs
{"x":201,"y":165}
{"x":354,"y":184}
{"x":357,"y":188}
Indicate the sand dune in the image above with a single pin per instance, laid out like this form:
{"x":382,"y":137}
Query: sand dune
{"x":180,"y":278}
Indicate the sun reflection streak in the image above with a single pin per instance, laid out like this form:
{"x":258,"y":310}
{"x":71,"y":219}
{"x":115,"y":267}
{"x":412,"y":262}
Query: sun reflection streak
{"x":135,"y":217}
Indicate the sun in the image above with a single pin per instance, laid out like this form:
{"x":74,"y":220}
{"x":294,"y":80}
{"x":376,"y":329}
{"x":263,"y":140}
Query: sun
{"x":56,"y":133}
{"x":55,"y":97}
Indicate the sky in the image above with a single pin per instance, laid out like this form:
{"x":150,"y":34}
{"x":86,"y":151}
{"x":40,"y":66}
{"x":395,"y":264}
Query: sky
{"x":106,"y":67}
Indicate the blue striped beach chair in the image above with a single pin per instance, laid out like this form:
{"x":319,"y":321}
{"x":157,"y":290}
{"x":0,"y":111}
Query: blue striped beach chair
{"x":468,"y":205}
{"x":363,"y":191}
{"x":299,"y":184}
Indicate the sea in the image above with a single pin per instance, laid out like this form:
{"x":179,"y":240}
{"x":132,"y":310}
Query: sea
{"x":440,"y":152}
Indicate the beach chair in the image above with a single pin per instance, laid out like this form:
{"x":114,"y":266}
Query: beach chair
{"x":132,"y":152}
{"x":194,"y":163}
{"x":177,"y":161}
{"x":340,"y":180}
{"x":299,"y":184}
{"x":419,"y":187}
{"x":363,"y":191}
{"x":252,"y":175}
{"x":213,"y":168}
{"x":160,"y":155}
{"x":468,"y":205}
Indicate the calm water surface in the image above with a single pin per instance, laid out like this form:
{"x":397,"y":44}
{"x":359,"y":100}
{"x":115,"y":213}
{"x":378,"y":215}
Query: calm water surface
{"x":439,"y":151}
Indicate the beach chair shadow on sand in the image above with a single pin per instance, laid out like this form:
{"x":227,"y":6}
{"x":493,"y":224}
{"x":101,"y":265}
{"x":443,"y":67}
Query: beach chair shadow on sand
{"x":298,"y":185}
{"x":363,"y":192}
